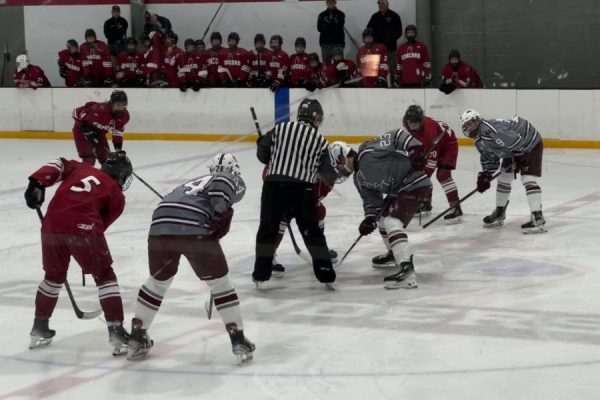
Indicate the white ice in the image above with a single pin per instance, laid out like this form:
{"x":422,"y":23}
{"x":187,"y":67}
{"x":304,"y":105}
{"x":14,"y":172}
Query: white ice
{"x":497,"y":314}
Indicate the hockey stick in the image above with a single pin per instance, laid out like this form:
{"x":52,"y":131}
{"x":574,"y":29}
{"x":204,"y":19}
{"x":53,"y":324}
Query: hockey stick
{"x":211,"y":21}
{"x":80,"y":314}
{"x":459,"y":202}
{"x":147,"y":185}
{"x":351,"y":38}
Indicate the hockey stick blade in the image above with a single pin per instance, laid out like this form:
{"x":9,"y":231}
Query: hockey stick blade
{"x":299,"y":252}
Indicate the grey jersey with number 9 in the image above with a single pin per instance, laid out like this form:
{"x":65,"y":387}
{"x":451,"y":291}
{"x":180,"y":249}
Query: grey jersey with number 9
{"x":190,"y":208}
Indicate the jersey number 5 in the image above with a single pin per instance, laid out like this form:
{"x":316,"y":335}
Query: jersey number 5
{"x":87,"y":184}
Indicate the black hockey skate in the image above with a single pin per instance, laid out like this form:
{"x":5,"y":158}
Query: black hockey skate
{"x":454,"y":216}
{"x":277,"y":269}
{"x":496,"y":218}
{"x":386,"y":260}
{"x":334,"y":256}
{"x":425,"y":209}
{"x":139,"y":341}
{"x":40,"y":334}
{"x":405,"y":278}
{"x":242,"y":348}
{"x":118,"y":338}
{"x":536,"y":224}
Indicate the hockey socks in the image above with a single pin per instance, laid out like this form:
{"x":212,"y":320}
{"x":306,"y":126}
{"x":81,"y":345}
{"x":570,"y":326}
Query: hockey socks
{"x":226,"y":301}
{"x":149,"y":299}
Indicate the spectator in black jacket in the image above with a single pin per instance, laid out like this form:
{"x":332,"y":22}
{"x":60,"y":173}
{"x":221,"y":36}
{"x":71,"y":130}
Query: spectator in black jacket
{"x":388,"y":29}
{"x":331,"y":26}
{"x":115,"y":30}
{"x":161,"y":23}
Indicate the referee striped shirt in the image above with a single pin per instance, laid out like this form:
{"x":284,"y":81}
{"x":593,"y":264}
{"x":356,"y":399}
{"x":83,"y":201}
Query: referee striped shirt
{"x":297,"y":151}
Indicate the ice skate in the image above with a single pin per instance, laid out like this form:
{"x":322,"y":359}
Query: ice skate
{"x":277,"y":269}
{"x":405,"y":278}
{"x":334,"y":256}
{"x":139,"y":341}
{"x":40,"y":334}
{"x":536,"y":224}
{"x":496,"y":218}
{"x":118,"y":338}
{"x":454,"y":216}
{"x":425,"y":209}
{"x":386,"y":260}
{"x":242,"y":348}
{"x":329,"y":286}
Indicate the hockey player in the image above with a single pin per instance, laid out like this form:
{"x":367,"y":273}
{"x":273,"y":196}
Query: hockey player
{"x":153,"y":59}
{"x":129,"y":66}
{"x":413,"y":67}
{"x":318,"y":78}
{"x":86,"y":203}
{"x":260,"y":58}
{"x":372,"y":62}
{"x":340,"y":70}
{"x":442,"y":156}
{"x":389,"y":166}
{"x":172,"y":60}
{"x":458,"y":74}
{"x":212,"y":62}
{"x":520,"y":147}
{"x":96,"y":56}
{"x":200,"y":46}
{"x":234,"y":63}
{"x":94,"y":120}
{"x":70,"y":65}
{"x":190,"y":221}
{"x":28,"y":75}
{"x":277,"y":73}
{"x":299,"y":65}
{"x":191,"y":65}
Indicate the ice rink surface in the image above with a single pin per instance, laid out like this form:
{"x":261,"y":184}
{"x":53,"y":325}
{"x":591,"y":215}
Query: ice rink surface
{"x":497,"y":314}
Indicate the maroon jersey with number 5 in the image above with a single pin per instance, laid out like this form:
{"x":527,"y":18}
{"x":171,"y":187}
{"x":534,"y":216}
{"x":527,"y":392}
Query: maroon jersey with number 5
{"x":87,"y":201}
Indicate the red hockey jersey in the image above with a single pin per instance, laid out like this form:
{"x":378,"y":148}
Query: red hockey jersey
{"x":73,"y":64}
{"x":343,"y":69}
{"x":129,"y":66}
{"x":372,"y":63}
{"x":299,"y":69}
{"x":153,"y":57}
{"x":277,"y":70}
{"x":318,"y":76}
{"x":234,"y":66}
{"x":31,"y":77}
{"x":87,"y":201}
{"x":212,"y":66}
{"x":259,"y":64}
{"x":463,"y":76}
{"x":97,"y":59}
{"x":447,"y":146}
{"x":100,"y":117}
{"x":413,"y":64}
{"x":190,"y":67}
{"x":170,"y":66}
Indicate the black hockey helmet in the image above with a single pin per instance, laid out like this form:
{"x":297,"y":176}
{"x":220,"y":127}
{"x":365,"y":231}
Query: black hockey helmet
{"x":337,"y":51}
{"x":410,"y":28}
{"x":235,"y":36}
{"x":414,"y":113}
{"x":173,"y":36}
{"x":310,"y":111}
{"x":90,"y":33}
{"x":131,"y":40}
{"x":314,"y":57}
{"x":278,"y":38}
{"x":118,"y":96}
{"x":200,"y":42}
{"x":300,"y":42}
{"x":454,"y":54}
{"x":118,"y":167}
{"x":259,"y":37}
{"x":189,"y":42}
{"x":216,"y":35}
{"x":368,"y":32}
{"x":72,"y":43}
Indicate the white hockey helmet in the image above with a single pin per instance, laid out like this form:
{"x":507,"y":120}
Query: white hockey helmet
{"x":22,"y":62}
{"x":339,"y":152}
{"x":468,"y":116}
{"x":224,"y":162}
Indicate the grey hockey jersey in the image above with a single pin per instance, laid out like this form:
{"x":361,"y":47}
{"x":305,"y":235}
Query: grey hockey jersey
{"x":190,"y":208}
{"x":384,"y":169}
{"x":504,"y":138}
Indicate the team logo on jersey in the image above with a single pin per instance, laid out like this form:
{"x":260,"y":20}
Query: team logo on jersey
{"x":85,"y":227}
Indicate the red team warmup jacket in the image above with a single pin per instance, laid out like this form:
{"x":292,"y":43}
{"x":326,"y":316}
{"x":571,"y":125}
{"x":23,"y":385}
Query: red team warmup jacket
{"x":372,"y":63}
{"x":333,"y":74}
{"x":234,"y":66}
{"x":129,"y":66}
{"x":212,"y":66}
{"x":73,"y":63}
{"x":413,"y":64}
{"x":170,"y":65}
{"x":192,"y":67}
{"x":153,"y":57}
{"x":87,"y":201}
{"x":99,"y":117}
{"x":445,"y":152}
{"x":97,"y":60}
{"x":259,"y":63}
{"x":277,"y":70}
{"x":31,"y":77}
{"x":299,"y":69}
{"x":464,"y":76}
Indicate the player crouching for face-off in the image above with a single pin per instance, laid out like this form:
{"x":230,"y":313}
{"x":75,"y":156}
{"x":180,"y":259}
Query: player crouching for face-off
{"x":390,"y":166}
{"x":190,"y":221}
{"x":85,"y":204}
{"x":520,"y":147}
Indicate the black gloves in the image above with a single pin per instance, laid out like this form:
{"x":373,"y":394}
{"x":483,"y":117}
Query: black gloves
{"x":34,"y":195}
{"x":484,"y":180}
{"x":368,"y":225}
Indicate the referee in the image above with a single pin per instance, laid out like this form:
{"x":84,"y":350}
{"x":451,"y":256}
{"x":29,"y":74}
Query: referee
{"x":295,"y":153}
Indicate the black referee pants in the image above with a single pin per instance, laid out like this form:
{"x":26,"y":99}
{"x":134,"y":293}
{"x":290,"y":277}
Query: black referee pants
{"x":292,"y":200}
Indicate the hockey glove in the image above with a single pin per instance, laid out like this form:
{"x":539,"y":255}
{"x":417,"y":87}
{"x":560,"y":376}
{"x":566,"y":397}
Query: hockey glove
{"x":196,"y":86}
{"x":368,"y":225}
{"x":274,"y":86}
{"x":397,"y":82}
{"x":426,"y":82}
{"x":90,"y":134}
{"x":311,"y":86}
{"x":417,"y":159}
{"x":382,"y":82}
{"x":108,"y":82}
{"x":183,"y":86}
{"x":34,"y":195}
{"x":483,"y":181}
{"x":220,"y":225}
{"x":447,"y":88}
{"x":63,"y":72}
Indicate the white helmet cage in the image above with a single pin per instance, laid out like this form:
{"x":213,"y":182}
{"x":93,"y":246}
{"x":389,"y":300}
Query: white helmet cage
{"x":22,"y":62}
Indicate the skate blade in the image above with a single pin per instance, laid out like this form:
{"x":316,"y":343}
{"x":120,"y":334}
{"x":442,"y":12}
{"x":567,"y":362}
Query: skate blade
{"x":244,"y":358}
{"x":119,"y":351}
{"x":405,"y":284}
{"x":277,"y":274}
{"x":260,"y":285}
{"x":136,"y":355}
{"x":424,"y":214}
{"x":454,"y":221}
{"x":537,"y":229}
{"x":496,"y":224}
{"x":329,"y":286}
{"x":37,"y":342}
{"x":384,"y":266}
